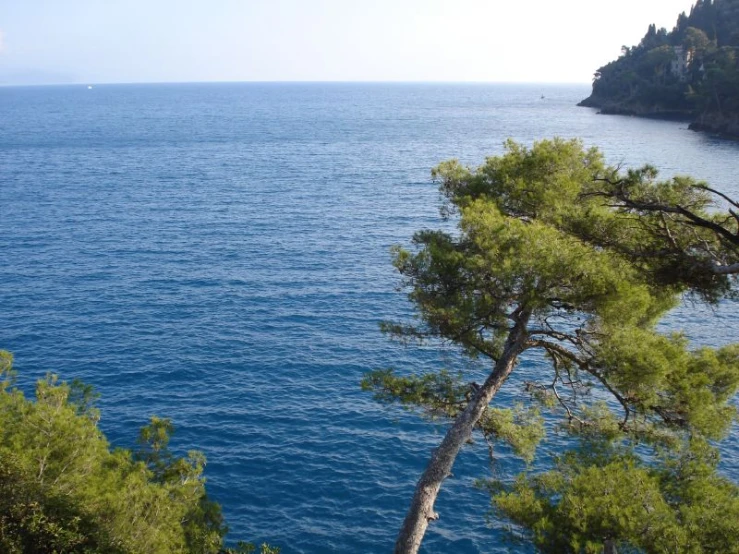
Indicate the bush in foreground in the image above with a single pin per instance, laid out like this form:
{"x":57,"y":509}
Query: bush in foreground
{"x":64,"y":490}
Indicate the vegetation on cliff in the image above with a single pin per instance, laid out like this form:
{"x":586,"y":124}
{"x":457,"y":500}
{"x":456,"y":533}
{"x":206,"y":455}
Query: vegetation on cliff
{"x":692,"y":70}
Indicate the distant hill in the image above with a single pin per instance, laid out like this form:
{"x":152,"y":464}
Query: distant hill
{"x":691,"y":72}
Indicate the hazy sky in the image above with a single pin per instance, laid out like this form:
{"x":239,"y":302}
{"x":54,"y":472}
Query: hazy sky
{"x":100,"y":41}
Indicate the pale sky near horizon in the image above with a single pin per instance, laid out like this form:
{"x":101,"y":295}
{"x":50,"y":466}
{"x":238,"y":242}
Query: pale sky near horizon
{"x":115,"y":41}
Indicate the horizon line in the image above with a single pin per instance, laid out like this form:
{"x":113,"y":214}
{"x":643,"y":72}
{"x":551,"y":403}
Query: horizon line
{"x":281,"y":81}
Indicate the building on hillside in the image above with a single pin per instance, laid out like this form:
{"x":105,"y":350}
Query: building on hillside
{"x":681,"y":62}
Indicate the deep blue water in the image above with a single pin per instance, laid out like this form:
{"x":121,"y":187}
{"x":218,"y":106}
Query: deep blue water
{"x":219,"y":254}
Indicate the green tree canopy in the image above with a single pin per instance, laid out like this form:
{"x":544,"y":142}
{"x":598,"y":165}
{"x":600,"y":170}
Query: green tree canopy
{"x":596,"y":496}
{"x":558,"y":255}
{"x":64,"y":491}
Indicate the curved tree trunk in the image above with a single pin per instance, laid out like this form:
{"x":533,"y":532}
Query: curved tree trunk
{"x":421,"y":511}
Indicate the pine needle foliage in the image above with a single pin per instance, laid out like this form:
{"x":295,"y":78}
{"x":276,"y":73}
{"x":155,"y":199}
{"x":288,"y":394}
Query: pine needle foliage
{"x":63,"y":490}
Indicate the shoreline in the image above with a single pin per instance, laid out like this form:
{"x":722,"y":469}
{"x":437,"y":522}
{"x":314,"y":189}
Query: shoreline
{"x":714,"y":123}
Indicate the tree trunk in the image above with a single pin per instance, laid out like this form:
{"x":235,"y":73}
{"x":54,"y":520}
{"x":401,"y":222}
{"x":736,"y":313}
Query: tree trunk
{"x":421,"y":511}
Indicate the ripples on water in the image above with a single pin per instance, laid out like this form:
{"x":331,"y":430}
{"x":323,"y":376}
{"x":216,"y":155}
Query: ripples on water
{"x":219,"y":254}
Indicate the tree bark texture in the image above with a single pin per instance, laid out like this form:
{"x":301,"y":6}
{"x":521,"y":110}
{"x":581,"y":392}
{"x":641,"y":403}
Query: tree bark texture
{"x":609,"y":547}
{"x":421,"y":510}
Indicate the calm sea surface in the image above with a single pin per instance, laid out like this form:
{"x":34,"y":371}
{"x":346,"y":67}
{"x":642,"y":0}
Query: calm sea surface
{"x":219,"y":254}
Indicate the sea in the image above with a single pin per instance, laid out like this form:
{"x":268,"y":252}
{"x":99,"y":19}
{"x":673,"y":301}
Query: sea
{"x":219,"y":254}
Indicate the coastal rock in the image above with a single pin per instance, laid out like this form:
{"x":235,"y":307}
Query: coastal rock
{"x":718,"y":123}
{"x":635,"y":108}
